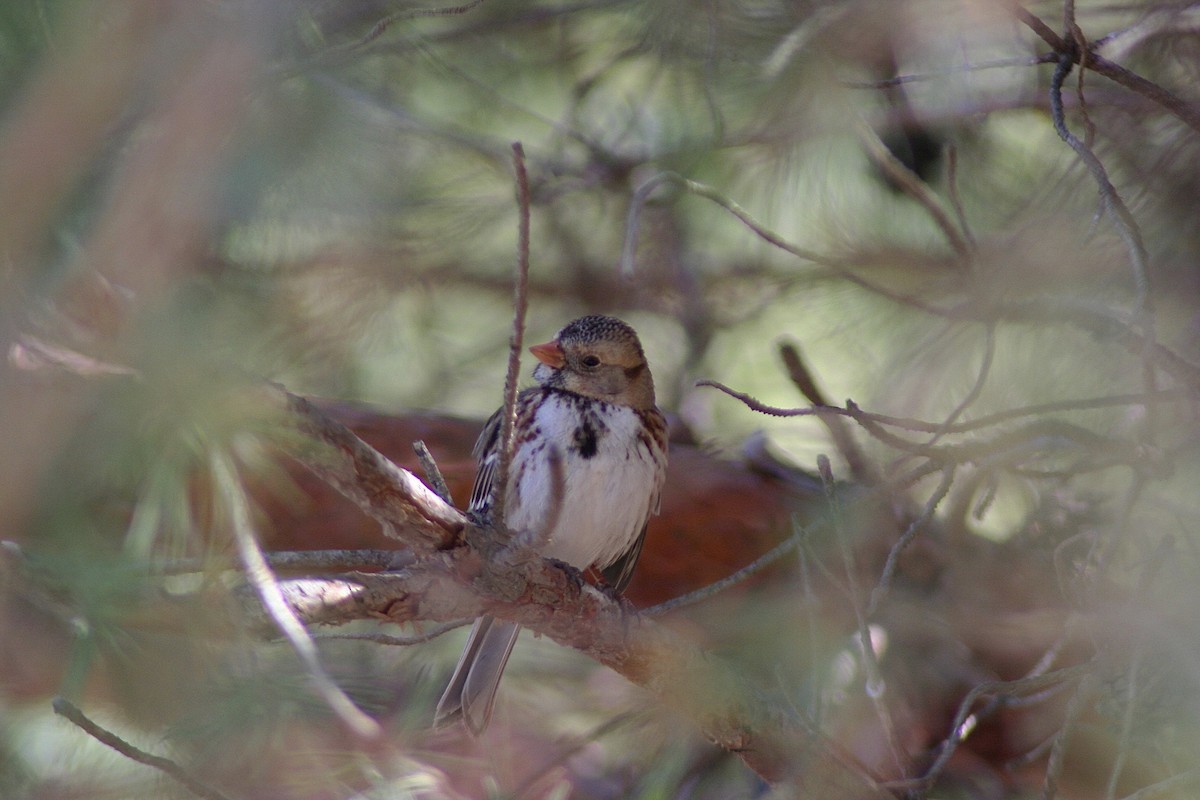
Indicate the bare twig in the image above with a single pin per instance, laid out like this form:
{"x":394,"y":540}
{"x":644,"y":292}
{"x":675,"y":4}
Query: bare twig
{"x":1163,"y":554}
{"x":860,"y":466}
{"x":1162,"y":787}
{"x":1071,"y":24}
{"x":1110,"y":201}
{"x":432,"y":473}
{"x":1075,"y":708}
{"x":407,"y":508}
{"x":958,"y":728}
{"x":940,"y":74}
{"x":757,"y":565}
{"x":643,"y":192}
{"x":381,"y":27}
{"x":520,"y":303}
{"x":71,"y":712}
{"x":1185,"y":111}
{"x":811,"y":610}
{"x":582,"y":741}
{"x":1124,"y":739}
{"x":876,"y":686}
{"x":955,"y":198}
{"x":276,"y":606}
{"x":985,"y":368}
{"x":893,"y":558}
{"x":923,"y":426}
{"x":912,"y":185}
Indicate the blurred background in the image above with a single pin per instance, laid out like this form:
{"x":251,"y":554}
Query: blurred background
{"x":196,"y":195}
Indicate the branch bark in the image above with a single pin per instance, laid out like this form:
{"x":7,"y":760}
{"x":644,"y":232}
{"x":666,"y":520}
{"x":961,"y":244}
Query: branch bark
{"x":731,"y":711}
{"x":483,"y":575}
{"x":407,"y":509}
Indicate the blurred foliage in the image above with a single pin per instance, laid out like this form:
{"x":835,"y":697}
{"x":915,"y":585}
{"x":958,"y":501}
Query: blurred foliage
{"x":198,"y":194}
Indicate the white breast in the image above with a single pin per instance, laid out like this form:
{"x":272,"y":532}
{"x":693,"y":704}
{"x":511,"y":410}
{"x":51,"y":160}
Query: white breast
{"x":603,"y":501}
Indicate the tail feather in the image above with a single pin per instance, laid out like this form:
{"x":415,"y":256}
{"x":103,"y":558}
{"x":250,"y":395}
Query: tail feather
{"x":472,"y":690}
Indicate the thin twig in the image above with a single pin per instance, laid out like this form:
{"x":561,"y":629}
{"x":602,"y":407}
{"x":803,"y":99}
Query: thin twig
{"x":912,"y":185}
{"x":520,"y":303}
{"x":432,"y":473}
{"x":755,"y":566}
{"x":1019,"y":687}
{"x":1075,"y":708}
{"x":1163,"y":786}
{"x":1127,"y":718}
{"x":1185,"y":111}
{"x":380,"y":27}
{"x":893,"y":558}
{"x":1110,"y":201}
{"x":985,"y":368}
{"x":584,"y":741}
{"x":643,"y":192}
{"x":923,"y":426}
{"x":876,"y":687}
{"x":71,"y":712}
{"x":860,"y":466}
{"x":811,"y":607}
{"x":265,"y":584}
{"x":955,"y":198}
{"x":941,"y":74}
{"x":1071,"y":24}
{"x":840,"y":266}
{"x":1162,"y":555}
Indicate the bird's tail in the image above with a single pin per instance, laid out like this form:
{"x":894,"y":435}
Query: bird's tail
{"x":472,"y":690}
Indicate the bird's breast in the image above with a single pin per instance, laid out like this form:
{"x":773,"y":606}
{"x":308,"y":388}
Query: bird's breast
{"x":586,"y":476}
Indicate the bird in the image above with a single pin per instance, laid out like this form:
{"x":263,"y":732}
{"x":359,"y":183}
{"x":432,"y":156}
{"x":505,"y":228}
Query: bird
{"x":588,"y":464}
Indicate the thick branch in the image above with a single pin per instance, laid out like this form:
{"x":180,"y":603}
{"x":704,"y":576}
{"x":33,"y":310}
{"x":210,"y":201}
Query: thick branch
{"x":731,"y":711}
{"x":484,"y":577}
{"x":407,"y":508}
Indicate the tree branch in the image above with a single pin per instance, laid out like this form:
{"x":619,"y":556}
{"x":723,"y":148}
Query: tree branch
{"x":733,"y":713}
{"x":69,"y":711}
{"x":395,"y":497}
{"x":1097,"y":63}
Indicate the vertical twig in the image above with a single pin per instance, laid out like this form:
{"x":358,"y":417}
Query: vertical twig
{"x":1112,"y":206}
{"x":1071,"y":24}
{"x":432,"y":473}
{"x":259,"y":573}
{"x":876,"y":688}
{"x":955,"y":198}
{"x":912,"y":185}
{"x":520,"y":302}
{"x":816,"y":708}
{"x":1075,"y":709}
{"x":893,"y":558}
{"x":860,"y":466}
{"x":985,"y":368}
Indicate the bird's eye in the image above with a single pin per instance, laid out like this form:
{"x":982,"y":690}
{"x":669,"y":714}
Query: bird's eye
{"x":591,"y":361}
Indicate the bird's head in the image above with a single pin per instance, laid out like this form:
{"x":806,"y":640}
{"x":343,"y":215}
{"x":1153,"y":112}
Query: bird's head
{"x":597,"y":356}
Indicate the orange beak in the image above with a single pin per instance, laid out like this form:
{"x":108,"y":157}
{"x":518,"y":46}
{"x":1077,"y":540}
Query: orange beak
{"x":550,"y":354}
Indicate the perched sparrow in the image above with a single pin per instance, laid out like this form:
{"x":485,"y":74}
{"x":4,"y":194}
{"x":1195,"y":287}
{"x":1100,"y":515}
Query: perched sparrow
{"x":588,"y":464}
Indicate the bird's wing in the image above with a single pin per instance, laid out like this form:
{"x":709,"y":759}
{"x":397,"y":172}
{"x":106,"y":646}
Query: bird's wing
{"x":487,"y":455}
{"x":618,"y":574}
